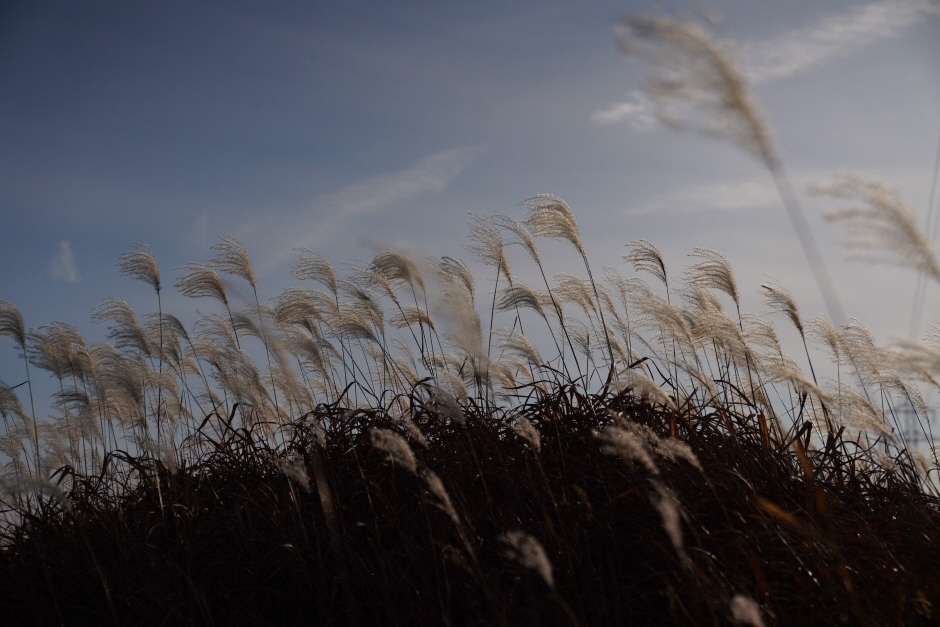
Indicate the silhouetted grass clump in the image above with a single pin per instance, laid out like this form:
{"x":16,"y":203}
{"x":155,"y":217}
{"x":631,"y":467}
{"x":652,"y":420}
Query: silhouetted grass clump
{"x":373,"y":451}
{"x":704,"y":516}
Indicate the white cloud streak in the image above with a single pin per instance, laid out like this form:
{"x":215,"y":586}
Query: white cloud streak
{"x":832,"y":37}
{"x":637,"y":111}
{"x":331,"y":213}
{"x":62,"y":266}
{"x":797,"y":51}
{"x":725,"y":196}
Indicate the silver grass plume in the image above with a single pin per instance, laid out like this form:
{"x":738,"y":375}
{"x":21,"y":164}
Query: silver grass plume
{"x":760,"y":332}
{"x":296,"y":305}
{"x":518,"y":344}
{"x":396,"y":447}
{"x":412,"y":431}
{"x":455,"y":270}
{"x":214,"y":335}
{"x":364,"y":304}
{"x":521,"y":296}
{"x":487,"y":243}
{"x":436,"y":487}
{"x":50,"y":349}
{"x":126,"y":331}
{"x":232,"y":258}
{"x":350,"y":324}
{"x":410,"y":316}
{"x":529,"y":553}
{"x":309,"y":349}
{"x":11,"y":324}
{"x":549,"y":216}
{"x":621,"y":350}
{"x":452,"y":387}
{"x":745,"y":610}
{"x":646,"y":258}
{"x":456,"y":308}
{"x":522,"y":427}
{"x":628,"y":446}
{"x":141,"y":264}
{"x":881,"y":227}
{"x":695,"y":82}
{"x":572,"y":289}
{"x":372,"y":280}
{"x":398,"y":268}
{"x":513,"y":372}
{"x":520,"y":235}
{"x":644,"y":388}
{"x":658,"y":313}
{"x":859,"y":349}
{"x":201,"y":281}
{"x":10,"y":405}
{"x":313,"y":267}
{"x":856,"y":411}
{"x":667,"y":505}
{"x":444,"y":404}
{"x":825,"y":333}
{"x":781,"y":301}
{"x":780,"y":368}
{"x":294,"y":469}
{"x":713,"y":272}
{"x":580,"y":336}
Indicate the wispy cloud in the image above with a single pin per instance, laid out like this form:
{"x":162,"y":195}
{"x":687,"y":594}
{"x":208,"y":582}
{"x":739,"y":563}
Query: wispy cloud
{"x":832,"y":37}
{"x":725,"y":196}
{"x":800,"y":50}
{"x":62,"y":266}
{"x":637,"y":111}
{"x":330,"y":213}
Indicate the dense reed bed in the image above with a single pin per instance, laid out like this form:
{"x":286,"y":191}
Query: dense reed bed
{"x":342,"y":455}
{"x":394,"y":445}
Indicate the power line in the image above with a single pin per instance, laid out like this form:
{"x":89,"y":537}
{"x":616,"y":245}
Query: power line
{"x":920,"y":289}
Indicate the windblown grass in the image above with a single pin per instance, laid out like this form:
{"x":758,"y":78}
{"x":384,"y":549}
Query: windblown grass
{"x":372,"y":451}
{"x":400,"y":467}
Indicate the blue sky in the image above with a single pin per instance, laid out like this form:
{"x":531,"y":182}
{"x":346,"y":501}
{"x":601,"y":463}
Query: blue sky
{"x":345,"y":127}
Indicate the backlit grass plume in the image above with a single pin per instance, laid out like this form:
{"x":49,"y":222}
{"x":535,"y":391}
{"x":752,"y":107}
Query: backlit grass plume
{"x":664,"y":441}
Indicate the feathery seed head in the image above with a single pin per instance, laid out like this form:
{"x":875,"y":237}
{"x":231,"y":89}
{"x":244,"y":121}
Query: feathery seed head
{"x":667,"y":505}
{"x":627,"y":445}
{"x":436,"y":487}
{"x":520,"y":234}
{"x":313,"y":267}
{"x":487,"y":243}
{"x":141,"y":264}
{"x":455,"y":272}
{"x":11,"y":323}
{"x":520,"y":296}
{"x":126,"y":332}
{"x":881,"y":228}
{"x":779,"y":299}
{"x":745,"y":610}
{"x":550,"y":216}
{"x":713,"y":272}
{"x":646,"y":257}
{"x":528,"y":553}
{"x":201,"y":281}
{"x":523,"y":428}
{"x":695,"y":83}
{"x":572,"y":289}
{"x":398,"y":267}
{"x":410,"y":316}
{"x":294,"y":469}
{"x":232,"y":258}
{"x":396,"y":447}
